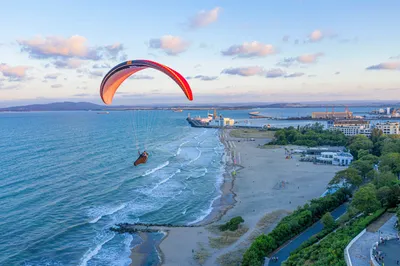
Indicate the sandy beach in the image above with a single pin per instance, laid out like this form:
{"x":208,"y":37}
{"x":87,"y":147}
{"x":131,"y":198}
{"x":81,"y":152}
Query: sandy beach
{"x":266,"y":187}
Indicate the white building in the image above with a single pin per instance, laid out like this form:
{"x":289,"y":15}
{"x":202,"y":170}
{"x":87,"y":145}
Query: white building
{"x":353,"y":127}
{"x":389,"y":128}
{"x":336,"y":158}
{"x":222,"y":122}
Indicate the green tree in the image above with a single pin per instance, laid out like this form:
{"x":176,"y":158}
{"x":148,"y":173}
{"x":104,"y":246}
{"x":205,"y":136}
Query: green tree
{"x":372,"y":159}
{"x":383,"y":179}
{"x":365,"y":199}
{"x":349,"y":176}
{"x":328,"y":221}
{"x":362,"y":153}
{"x":362,"y":166}
{"x":360,"y":142}
{"x":392,"y":160}
{"x":376,"y":134}
{"x":383,"y":195}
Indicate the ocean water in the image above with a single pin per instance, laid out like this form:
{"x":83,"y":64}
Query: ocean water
{"x":67,"y":177}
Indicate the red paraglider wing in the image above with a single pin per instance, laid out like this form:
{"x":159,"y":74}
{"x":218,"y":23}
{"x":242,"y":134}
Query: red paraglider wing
{"x":121,"y":72}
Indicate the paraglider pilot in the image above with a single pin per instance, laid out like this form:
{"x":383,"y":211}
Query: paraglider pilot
{"x":142,"y":158}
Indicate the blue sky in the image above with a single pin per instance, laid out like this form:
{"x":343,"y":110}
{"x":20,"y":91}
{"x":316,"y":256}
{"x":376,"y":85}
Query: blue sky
{"x":298,"y":50}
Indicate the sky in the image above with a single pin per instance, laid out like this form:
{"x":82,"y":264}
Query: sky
{"x":229,"y":51}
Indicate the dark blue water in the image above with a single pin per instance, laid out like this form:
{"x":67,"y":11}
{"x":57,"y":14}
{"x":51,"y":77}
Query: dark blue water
{"x":66,"y":177}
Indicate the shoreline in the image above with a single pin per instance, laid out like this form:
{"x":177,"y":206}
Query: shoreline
{"x":266,"y":187}
{"x":220,"y":206}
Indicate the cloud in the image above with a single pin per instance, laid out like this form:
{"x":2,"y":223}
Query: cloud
{"x":296,"y":41}
{"x":295,"y":75}
{"x":56,"y":85}
{"x":315,"y":36}
{"x":16,"y":73}
{"x":252,"y":49}
{"x":171,"y":45}
{"x":285,"y":38}
{"x":82,"y":95}
{"x":395,"y":57}
{"x":52,"y":76}
{"x":302,"y":59}
{"x":9,"y":87}
{"x":57,"y":47}
{"x":81,"y":88}
{"x":141,"y":77}
{"x":204,"y":78}
{"x":309,"y":58}
{"x":337,"y":73}
{"x":69,"y":63}
{"x":244,"y":71}
{"x":274,"y":73}
{"x":385,"y":66}
{"x":104,"y":65}
{"x":197,"y":66}
{"x":205,"y":18}
{"x":203,"y":45}
{"x":89,"y":73}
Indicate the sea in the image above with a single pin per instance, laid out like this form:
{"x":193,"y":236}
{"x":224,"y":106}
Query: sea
{"x":67,"y":177}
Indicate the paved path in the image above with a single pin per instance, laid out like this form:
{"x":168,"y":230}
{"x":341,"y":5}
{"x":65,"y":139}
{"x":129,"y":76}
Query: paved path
{"x":359,"y":251}
{"x":284,"y":253}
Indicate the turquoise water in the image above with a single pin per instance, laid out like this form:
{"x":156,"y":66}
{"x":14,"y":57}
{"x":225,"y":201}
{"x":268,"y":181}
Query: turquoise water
{"x":67,"y":177}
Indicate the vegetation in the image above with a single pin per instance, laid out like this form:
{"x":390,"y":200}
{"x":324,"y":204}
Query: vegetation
{"x":202,"y":254}
{"x":310,"y":135}
{"x":292,"y":225}
{"x":329,"y":251}
{"x":227,"y":238}
{"x":328,"y":221}
{"x":374,"y":190}
{"x":398,"y":216}
{"x":232,"y":225}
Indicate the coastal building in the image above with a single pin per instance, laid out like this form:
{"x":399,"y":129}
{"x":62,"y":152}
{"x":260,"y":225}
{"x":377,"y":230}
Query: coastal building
{"x":389,"y":128}
{"x":332,"y":115}
{"x":353,"y":127}
{"x":222,"y":122}
{"x":336,"y":158}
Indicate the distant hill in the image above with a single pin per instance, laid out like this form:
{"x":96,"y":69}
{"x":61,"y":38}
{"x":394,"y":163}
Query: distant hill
{"x":85,"y":106}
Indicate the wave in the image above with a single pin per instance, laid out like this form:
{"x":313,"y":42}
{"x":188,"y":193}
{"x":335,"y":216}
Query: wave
{"x":165,"y":180}
{"x":179,"y":148}
{"x":108,"y":211}
{"x":149,"y":172}
{"x":201,"y":175}
{"x":93,"y":252}
{"x":198,"y":156}
{"x":205,"y":213}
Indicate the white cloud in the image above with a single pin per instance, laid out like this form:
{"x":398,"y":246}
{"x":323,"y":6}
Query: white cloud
{"x":205,"y":18}
{"x":171,"y":45}
{"x":252,"y":49}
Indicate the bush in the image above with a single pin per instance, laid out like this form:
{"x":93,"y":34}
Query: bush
{"x":232,"y":225}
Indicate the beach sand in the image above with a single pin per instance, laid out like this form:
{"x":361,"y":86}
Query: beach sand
{"x":258,"y":191}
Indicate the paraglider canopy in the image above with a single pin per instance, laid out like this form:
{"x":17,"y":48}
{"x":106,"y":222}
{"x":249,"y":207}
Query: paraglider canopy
{"x":118,"y":74}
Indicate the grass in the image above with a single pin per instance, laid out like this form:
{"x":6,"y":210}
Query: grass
{"x":251,"y":133}
{"x":227,"y":238}
{"x":231,"y":258}
{"x":201,"y":255}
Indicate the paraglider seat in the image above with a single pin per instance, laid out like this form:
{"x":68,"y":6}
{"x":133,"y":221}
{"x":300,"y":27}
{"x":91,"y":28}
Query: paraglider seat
{"x":142,"y":158}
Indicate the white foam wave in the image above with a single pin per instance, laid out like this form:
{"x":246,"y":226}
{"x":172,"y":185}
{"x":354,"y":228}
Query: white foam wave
{"x":179,"y":148}
{"x":201,"y":175}
{"x":105,"y":212}
{"x":93,"y":252}
{"x":149,"y":172}
{"x":205,"y":213}
{"x":198,"y":156}
{"x":165,"y":180}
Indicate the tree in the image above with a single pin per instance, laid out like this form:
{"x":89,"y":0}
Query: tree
{"x":383,"y":179}
{"x":360,"y":142}
{"x":362,"y":166}
{"x":383,"y":195}
{"x":365,"y":199}
{"x":362,"y":153}
{"x":349,"y":176}
{"x":398,"y":217}
{"x":392,"y":160}
{"x":372,"y":159}
{"x":328,"y":221}
{"x":376,"y":134}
